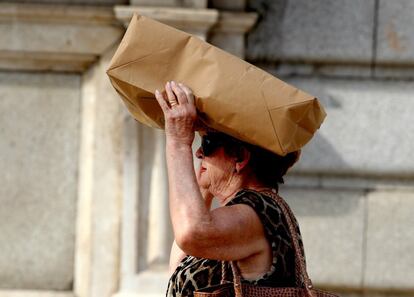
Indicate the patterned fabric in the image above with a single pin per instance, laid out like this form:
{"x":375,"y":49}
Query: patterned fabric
{"x":197,"y":273}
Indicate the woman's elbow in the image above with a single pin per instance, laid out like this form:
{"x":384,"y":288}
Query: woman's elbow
{"x":188,"y":240}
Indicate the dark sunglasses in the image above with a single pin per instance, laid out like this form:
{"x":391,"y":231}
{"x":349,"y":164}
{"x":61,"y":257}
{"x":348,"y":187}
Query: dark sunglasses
{"x":212,"y":141}
{"x":209,"y":143}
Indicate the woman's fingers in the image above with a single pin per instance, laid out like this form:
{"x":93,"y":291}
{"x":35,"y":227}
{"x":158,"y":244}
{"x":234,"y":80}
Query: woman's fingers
{"x":179,"y":113}
{"x":170,"y":94}
{"x":176,"y":94}
{"x":161,"y":101}
{"x":188,"y":92}
{"x":179,"y":93}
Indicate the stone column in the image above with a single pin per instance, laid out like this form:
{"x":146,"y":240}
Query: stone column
{"x":232,"y":26}
{"x":159,"y":227}
{"x":100,"y":185}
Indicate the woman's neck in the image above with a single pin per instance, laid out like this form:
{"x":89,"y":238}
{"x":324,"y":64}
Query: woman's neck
{"x":231,"y":191}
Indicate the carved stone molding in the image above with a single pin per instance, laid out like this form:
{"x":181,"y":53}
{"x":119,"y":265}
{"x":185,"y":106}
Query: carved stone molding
{"x":229,"y":5}
{"x":223,"y":29}
{"x":191,"y":20}
{"x":55,"y":37}
{"x":70,"y":38}
{"x":229,"y":32}
{"x":235,"y":22}
{"x":170,"y":3}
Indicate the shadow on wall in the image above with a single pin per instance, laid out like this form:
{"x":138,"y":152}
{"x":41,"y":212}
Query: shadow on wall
{"x":259,"y":45}
{"x":310,"y":198}
{"x":323,"y":203}
{"x":320,"y":156}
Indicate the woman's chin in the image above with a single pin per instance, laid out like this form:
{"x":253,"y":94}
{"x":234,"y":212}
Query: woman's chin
{"x":203,"y":183}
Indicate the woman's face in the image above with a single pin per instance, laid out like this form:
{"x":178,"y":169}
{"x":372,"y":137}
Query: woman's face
{"x":216,"y":170}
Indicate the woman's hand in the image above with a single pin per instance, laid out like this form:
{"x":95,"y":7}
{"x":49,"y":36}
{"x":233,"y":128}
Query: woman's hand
{"x":177,"y":104}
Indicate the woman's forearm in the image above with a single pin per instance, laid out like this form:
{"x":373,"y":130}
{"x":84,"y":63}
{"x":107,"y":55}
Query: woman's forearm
{"x":188,"y":209}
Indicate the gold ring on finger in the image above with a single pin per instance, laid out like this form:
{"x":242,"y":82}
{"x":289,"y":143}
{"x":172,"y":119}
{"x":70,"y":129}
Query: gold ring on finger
{"x":173,"y":103}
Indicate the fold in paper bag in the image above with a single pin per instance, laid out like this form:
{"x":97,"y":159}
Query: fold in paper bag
{"x":232,"y":96}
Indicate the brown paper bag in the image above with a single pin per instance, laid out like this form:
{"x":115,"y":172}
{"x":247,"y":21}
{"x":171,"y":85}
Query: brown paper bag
{"x":232,"y":96}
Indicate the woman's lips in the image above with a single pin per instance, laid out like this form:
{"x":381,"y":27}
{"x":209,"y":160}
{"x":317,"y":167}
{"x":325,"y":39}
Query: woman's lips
{"x":202,"y":169}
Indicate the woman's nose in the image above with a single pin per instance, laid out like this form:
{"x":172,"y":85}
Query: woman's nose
{"x":199,"y":153}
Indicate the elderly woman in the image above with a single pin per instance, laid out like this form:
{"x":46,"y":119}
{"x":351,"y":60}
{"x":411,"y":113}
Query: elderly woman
{"x":248,"y":227}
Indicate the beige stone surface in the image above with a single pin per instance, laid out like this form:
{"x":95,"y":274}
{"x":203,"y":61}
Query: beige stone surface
{"x":390,"y":240}
{"x":39,"y":132}
{"x":148,"y":283}
{"x":100,"y":186}
{"x":55,"y":37}
{"x":66,"y":38}
{"x":37,"y":61}
{"x":395,"y":37}
{"x":229,"y":31}
{"x":225,"y":29}
{"x":73,"y":2}
{"x":332,"y":225}
{"x":313,"y":31}
{"x":169,"y":3}
{"x":367,"y":131}
{"x":192,"y":20}
{"x":23,"y":293}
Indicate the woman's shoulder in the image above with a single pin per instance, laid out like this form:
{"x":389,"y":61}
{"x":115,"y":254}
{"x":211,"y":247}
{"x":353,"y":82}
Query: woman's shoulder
{"x":263,"y":203}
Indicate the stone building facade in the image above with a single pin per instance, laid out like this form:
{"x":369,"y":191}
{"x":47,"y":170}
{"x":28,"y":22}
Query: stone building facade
{"x":84,"y":196}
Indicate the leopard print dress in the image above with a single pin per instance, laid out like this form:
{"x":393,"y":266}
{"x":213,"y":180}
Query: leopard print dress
{"x":197,"y":273}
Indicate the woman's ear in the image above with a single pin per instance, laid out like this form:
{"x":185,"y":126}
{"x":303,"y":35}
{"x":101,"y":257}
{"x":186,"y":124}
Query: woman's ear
{"x":242,"y":160}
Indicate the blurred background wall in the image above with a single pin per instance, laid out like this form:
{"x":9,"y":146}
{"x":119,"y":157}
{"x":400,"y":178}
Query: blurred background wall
{"x":83,"y":186}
